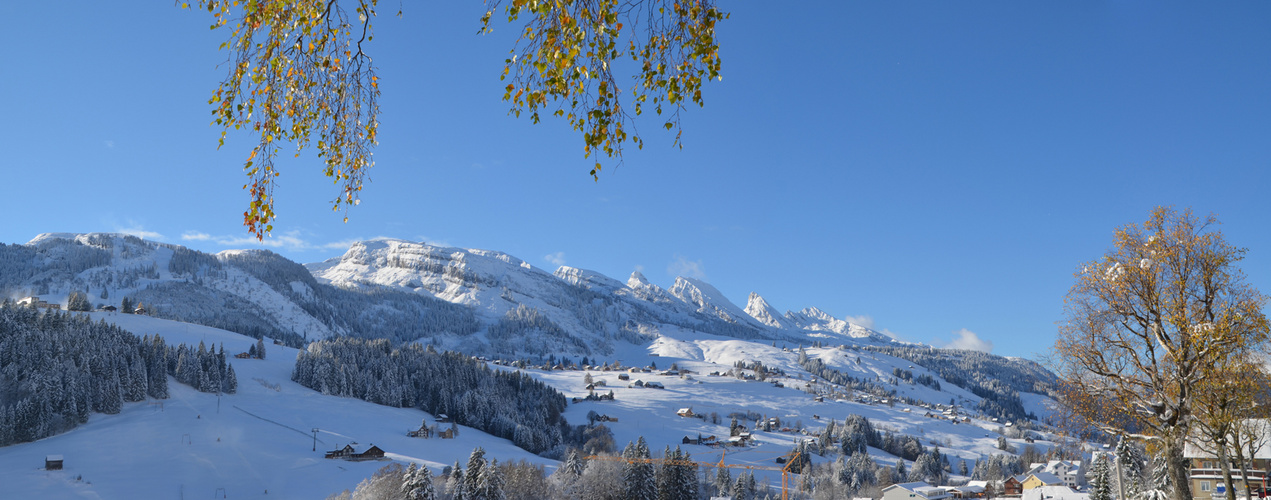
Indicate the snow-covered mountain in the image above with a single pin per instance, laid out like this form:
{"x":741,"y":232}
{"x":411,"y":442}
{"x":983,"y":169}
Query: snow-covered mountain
{"x":452,"y":297}
{"x":580,"y":303}
{"x":481,"y":302}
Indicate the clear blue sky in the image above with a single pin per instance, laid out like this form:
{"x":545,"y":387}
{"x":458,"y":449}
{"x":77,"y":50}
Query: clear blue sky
{"x":934,"y":166}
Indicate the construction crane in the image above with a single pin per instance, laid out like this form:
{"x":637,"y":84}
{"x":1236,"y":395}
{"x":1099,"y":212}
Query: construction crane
{"x":785,"y":471}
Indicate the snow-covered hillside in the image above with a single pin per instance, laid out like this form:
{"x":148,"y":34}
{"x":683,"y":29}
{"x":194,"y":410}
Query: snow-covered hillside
{"x":193,"y":444}
{"x":261,"y":438}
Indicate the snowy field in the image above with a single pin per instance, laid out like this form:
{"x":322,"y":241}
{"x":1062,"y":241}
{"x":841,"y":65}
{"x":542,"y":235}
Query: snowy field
{"x":196,"y":445}
{"x":259,"y":440}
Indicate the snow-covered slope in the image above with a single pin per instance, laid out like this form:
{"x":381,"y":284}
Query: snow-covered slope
{"x":257,"y":443}
{"x":262,"y":438}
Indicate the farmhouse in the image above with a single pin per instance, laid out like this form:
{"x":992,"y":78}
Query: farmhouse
{"x":910,"y":491}
{"x":359,"y":454}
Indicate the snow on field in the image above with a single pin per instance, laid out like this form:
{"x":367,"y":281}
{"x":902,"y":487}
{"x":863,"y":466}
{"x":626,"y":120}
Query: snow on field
{"x":259,"y":439}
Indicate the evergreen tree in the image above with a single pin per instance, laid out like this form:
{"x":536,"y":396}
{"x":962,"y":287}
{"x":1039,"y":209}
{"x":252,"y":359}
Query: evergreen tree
{"x":78,"y":301}
{"x":490,"y":483}
{"x":1130,"y":461}
{"x":1100,"y":476}
{"x":417,"y":484}
{"x":126,"y":306}
{"x":723,"y":481}
{"x":260,"y":348}
{"x":231,"y":381}
{"x":574,"y":464}
{"x":476,"y":465}
{"x":458,"y":484}
{"x":739,"y":487}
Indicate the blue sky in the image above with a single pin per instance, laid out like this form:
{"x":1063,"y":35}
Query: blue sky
{"x":932,"y":168}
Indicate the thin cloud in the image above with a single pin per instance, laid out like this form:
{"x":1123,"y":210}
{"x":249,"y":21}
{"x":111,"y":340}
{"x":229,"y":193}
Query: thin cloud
{"x":109,"y":143}
{"x":864,"y":320}
{"x":557,"y":258}
{"x":681,"y":266}
{"x":138,"y":231}
{"x":195,"y":236}
{"x":968,"y":340}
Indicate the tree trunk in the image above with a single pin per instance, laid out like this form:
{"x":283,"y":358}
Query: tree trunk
{"x":1225,"y":464}
{"x":1244,"y":468}
{"x":1178,"y":469}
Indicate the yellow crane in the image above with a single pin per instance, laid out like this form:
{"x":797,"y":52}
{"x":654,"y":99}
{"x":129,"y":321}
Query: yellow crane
{"x":785,"y":471}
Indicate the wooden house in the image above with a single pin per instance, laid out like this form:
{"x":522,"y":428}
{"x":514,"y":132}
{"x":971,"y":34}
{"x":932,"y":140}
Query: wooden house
{"x":53,"y":462}
{"x":371,"y":453}
{"x":1013,"y":486}
{"x":448,"y":433}
{"x":344,"y":452}
{"x":110,"y":309}
{"x":686,"y":412}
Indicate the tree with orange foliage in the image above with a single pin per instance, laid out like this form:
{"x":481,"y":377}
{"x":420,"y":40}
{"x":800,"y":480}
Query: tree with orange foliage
{"x":1147,"y":326}
{"x":300,"y":72}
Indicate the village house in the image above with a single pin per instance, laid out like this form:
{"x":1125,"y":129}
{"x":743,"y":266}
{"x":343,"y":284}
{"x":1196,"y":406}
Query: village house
{"x":1071,"y":473}
{"x":686,"y":412}
{"x":1013,"y":486}
{"x":1039,"y":479}
{"x":421,"y":432}
{"x":1205,"y":471}
{"x":358,"y":454}
{"x":1054,"y":493}
{"x":917,"y":490}
{"x":53,"y":462}
{"x":973,"y":489}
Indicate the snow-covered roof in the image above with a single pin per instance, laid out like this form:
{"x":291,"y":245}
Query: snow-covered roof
{"x":54,"y":458}
{"x":910,"y":486}
{"x":1053,"y":493}
{"x":1261,"y":426}
{"x":1047,"y":478}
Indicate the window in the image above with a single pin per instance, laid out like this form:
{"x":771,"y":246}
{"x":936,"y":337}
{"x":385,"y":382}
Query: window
{"x":1204,"y":486}
{"x":1208,"y":464}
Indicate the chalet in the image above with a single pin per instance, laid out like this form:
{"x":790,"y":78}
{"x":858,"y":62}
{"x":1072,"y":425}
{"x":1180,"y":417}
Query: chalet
{"x":448,"y":433}
{"x":638,"y":383}
{"x":623,"y":376}
{"x":819,"y":399}
{"x":1013,"y":486}
{"x":53,"y":462}
{"x":442,"y":418}
{"x":110,"y":309}
{"x":346,"y":451}
{"x":606,"y":418}
{"x":243,"y":355}
{"x":141,"y":311}
{"x":371,"y":453}
{"x":654,"y":385}
{"x":686,"y":412}
{"x":916,"y":490}
{"x":358,"y":454}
